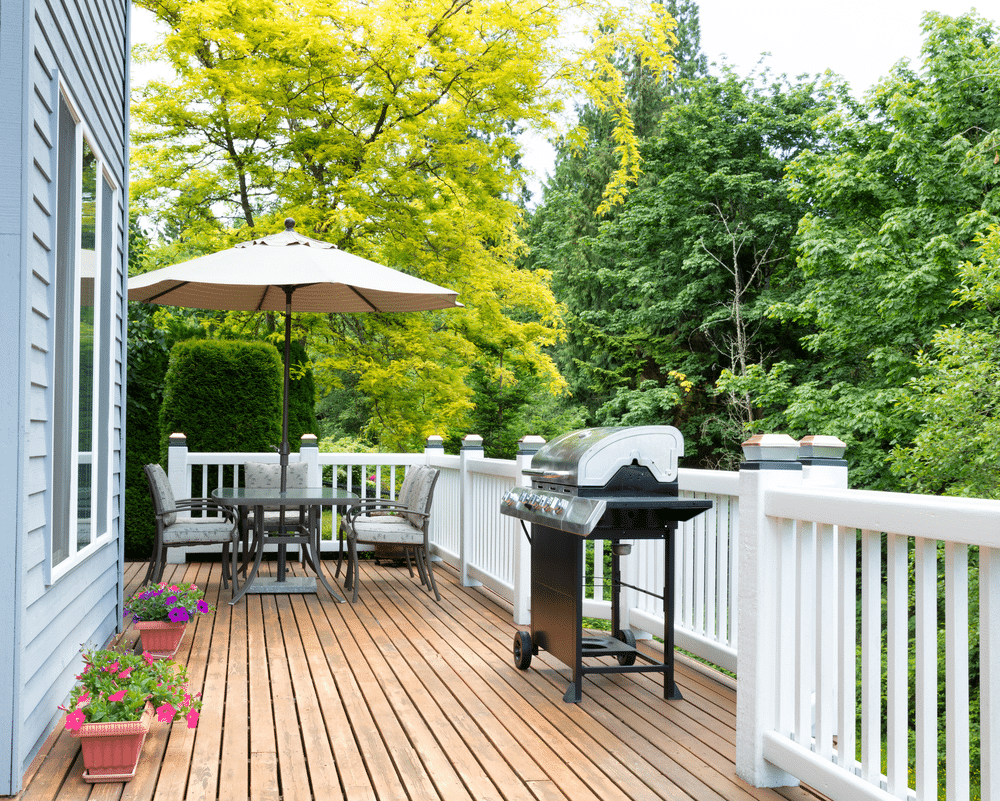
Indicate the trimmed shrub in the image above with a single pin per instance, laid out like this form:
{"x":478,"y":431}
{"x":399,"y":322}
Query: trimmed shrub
{"x":224,"y":396}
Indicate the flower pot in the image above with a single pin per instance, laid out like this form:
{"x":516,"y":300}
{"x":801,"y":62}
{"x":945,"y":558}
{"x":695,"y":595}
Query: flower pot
{"x":161,"y":638}
{"x":111,"y":750}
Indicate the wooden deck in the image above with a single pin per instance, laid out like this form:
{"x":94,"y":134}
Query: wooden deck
{"x":400,"y":697}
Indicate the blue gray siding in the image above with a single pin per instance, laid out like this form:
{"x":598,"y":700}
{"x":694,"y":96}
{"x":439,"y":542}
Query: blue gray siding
{"x":82,"y":44}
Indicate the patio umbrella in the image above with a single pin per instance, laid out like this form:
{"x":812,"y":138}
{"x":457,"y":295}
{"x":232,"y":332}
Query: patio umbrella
{"x":288,"y":272}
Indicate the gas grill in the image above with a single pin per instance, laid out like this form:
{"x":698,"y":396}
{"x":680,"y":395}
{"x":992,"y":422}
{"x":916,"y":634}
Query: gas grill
{"x":616,"y":484}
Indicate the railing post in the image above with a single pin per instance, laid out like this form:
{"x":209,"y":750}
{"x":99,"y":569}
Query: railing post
{"x":309,"y":453}
{"x":434,"y":447}
{"x":771,"y":461}
{"x":527,"y":448}
{"x":177,"y":459}
{"x":472,"y":446}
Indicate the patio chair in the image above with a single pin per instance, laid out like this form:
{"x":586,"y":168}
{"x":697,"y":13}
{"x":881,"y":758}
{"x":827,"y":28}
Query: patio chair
{"x":267,"y":476}
{"x":176,"y":526}
{"x":401,"y":522}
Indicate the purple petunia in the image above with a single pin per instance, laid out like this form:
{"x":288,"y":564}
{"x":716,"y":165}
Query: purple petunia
{"x":203,"y":606}
{"x":179,"y":614}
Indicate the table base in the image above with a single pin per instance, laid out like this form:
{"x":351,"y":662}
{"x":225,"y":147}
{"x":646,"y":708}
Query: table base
{"x":272,"y":586}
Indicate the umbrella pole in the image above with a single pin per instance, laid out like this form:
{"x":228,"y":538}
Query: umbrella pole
{"x":285,"y":448}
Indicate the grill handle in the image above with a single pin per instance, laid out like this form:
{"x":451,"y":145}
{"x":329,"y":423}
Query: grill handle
{"x":541,"y":473}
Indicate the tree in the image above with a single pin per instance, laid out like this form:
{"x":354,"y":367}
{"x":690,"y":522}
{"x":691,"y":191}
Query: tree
{"x":896,"y":205}
{"x":956,"y":395}
{"x":391,"y":131}
{"x":673,"y":287}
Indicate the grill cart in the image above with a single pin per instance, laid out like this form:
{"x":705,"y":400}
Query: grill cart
{"x":617,"y":484}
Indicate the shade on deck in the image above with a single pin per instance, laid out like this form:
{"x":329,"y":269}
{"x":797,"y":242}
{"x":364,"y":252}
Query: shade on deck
{"x":400,"y":697}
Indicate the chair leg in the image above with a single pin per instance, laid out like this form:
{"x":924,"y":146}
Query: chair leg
{"x":355,"y":576}
{"x":225,"y":565}
{"x":233,"y":561}
{"x":420,"y":565}
{"x":341,"y":536}
{"x":431,"y":584}
{"x":152,"y":564}
{"x":155,"y":572}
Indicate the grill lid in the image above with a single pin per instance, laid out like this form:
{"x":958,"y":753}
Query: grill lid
{"x":590,"y":457}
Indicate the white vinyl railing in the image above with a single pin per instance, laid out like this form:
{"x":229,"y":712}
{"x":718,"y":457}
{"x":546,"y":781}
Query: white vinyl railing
{"x":844,"y":657}
{"x":833,"y":593}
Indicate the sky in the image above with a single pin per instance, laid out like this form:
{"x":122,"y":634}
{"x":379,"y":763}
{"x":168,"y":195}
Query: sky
{"x":857,"y":39}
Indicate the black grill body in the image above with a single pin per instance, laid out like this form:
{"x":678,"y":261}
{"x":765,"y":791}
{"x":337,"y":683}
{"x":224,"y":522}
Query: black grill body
{"x":635,"y":499}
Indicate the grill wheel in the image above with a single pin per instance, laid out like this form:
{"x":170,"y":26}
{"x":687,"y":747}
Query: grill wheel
{"x":628,"y":638}
{"x":522,"y":650}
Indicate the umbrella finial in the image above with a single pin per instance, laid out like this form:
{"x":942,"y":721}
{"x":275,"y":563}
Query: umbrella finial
{"x":289,"y":223}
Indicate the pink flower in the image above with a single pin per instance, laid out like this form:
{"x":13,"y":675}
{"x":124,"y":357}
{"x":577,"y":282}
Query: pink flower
{"x":192,"y":718}
{"x":118,"y":696}
{"x":125,"y":673}
{"x":150,"y":659}
{"x":74,"y":720}
{"x":112,"y":668}
{"x":165,"y":713}
{"x":84,"y":697}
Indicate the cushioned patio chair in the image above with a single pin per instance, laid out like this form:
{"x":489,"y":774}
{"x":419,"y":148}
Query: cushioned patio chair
{"x":267,"y":476}
{"x":176,"y":526}
{"x":401,"y":522}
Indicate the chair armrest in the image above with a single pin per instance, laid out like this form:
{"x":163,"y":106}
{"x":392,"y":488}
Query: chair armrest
{"x":379,"y":504}
{"x":204,"y":505}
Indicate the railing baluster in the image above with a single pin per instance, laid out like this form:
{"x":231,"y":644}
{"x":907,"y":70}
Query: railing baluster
{"x":871,"y":656}
{"x":847,"y":692}
{"x":925,"y":580}
{"x":721,"y":628}
{"x":826,"y":640}
{"x":956,"y":593}
{"x":805,"y":610}
{"x":897,"y":641}
{"x":788,"y":676}
{"x":989,"y":671}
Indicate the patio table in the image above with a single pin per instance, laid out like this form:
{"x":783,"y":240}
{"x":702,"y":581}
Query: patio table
{"x":309,"y":502}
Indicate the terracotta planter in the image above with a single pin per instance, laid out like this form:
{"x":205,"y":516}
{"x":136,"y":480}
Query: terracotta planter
{"x":161,"y":638}
{"x":111,"y":750}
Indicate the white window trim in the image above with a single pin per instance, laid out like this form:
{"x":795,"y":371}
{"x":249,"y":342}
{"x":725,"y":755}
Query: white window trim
{"x":102,"y":434}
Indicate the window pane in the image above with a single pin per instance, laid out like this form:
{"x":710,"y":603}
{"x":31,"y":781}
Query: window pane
{"x":85,"y":404}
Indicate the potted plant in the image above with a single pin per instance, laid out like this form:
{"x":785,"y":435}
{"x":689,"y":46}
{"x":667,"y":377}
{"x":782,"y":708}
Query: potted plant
{"x":161,"y":612}
{"x":113,"y":704}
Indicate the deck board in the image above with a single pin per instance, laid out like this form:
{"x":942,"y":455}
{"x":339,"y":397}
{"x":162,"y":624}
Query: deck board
{"x":400,"y":697}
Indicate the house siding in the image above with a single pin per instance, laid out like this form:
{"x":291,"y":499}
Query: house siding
{"x":80,"y":45}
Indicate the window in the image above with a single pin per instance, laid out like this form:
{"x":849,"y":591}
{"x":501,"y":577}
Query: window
{"x":82,"y":381}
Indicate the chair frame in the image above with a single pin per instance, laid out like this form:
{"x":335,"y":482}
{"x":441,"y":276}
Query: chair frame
{"x":421,"y":553}
{"x":158,"y":559}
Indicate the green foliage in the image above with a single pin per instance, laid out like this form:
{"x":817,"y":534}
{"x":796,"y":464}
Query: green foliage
{"x":956,"y":395}
{"x":895,"y":207}
{"x":162,"y":602}
{"x":679,"y":278}
{"x":224,"y":396}
{"x":393,"y":134}
{"x":132,"y":680}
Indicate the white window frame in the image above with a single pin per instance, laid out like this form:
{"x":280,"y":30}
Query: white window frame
{"x":65,"y":443}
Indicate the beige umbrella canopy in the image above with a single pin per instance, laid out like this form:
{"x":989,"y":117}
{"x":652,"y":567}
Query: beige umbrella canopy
{"x":288,"y":272}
